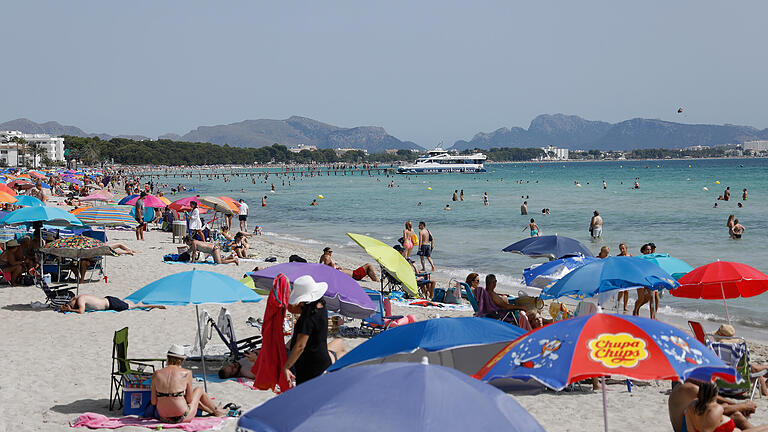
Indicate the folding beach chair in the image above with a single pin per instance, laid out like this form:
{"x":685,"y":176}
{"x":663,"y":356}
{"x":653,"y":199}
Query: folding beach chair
{"x":382,"y":319}
{"x":126,"y":370}
{"x":226,"y":331}
{"x":466,"y":291}
{"x":57,"y":295}
{"x":735,"y":353}
{"x":698,"y":331}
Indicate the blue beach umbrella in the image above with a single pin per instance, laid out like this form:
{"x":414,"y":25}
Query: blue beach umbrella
{"x":194,"y":287}
{"x":610,"y":274}
{"x":543,"y":275}
{"x":391,"y":397}
{"x":674,"y":266}
{"x":550,"y":246}
{"x":464,"y":343}
{"x":126,"y":199}
{"x":28,"y":201}
{"x":49,"y":215}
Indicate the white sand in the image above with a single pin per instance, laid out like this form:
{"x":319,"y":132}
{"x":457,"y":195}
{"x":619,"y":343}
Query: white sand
{"x":57,"y":366}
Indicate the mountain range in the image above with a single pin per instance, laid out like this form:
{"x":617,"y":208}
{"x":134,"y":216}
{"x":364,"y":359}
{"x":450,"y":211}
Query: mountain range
{"x":574,"y":132}
{"x":559,"y":130}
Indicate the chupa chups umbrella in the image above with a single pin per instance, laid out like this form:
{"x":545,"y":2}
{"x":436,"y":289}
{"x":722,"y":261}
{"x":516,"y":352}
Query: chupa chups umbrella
{"x":344,"y":294}
{"x":674,"y":266}
{"x":390,"y":259}
{"x":464,"y":343}
{"x":722,"y":280}
{"x":194,"y":287}
{"x":610,"y":274}
{"x":543,"y":275}
{"x":46,"y":214}
{"x":550,"y":246}
{"x":391,"y":397}
{"x":600,"y":344}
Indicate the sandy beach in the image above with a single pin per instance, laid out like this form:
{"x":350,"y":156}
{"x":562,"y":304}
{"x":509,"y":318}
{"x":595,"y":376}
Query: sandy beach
{"x":57,"y":366}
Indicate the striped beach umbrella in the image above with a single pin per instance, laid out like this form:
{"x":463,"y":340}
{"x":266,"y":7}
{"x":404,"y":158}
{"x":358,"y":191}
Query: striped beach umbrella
{"x":107,"y":215}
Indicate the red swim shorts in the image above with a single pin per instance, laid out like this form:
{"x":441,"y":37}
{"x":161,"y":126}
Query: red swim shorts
{"x":359,"y":273}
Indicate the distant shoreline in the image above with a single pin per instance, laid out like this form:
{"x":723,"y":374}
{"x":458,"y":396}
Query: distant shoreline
{"x":623,"y":160}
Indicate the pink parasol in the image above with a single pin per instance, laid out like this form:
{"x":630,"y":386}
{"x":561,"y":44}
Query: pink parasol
{"x":182,"y":205}
{"x":100,"y":195}
{"x":149,"y":201}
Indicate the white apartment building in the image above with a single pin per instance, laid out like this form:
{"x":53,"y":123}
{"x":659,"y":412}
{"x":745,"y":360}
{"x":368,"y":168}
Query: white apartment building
{"x":301,"y":147}
{"x":757,"y":146}
{"x":559,"y":153}
{"x":11,"y":153}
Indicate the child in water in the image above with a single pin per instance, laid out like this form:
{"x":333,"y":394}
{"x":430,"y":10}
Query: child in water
{"x":533,"y":227}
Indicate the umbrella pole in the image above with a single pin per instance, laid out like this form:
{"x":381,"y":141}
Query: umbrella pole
{"x":605,"y":405}
{"x":200,"y":340}
{"x":727,"y":316}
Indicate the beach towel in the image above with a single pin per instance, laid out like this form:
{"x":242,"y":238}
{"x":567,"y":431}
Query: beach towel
{"x":420,"y":304}
{"x":268,"y":368}
{"x":98,"y":421}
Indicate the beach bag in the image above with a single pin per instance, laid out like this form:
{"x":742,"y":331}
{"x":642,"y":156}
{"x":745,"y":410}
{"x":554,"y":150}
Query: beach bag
{"x":171,"y":257}
{"x":184,"y":257}
{"x":452,"y":295}
{"x":296,"y":258}
{"x":439,"y":295}
{"x":415,"y":239}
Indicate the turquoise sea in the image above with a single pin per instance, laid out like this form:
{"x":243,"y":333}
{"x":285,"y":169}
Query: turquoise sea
{"x":671,"y":208}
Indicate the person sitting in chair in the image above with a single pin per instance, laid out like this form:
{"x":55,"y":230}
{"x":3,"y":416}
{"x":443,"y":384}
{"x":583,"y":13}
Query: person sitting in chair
{"x":173,"y":396}
{"x":11,"y":260}
{"x":357,"y":274}
{"x":87,"y":302}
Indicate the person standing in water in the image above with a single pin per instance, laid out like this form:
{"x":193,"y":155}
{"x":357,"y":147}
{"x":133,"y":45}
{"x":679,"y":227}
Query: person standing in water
{"x":485,"y":198}
{"x":264,"y":201}
{"x":738,"y":229}
{"x":730,"y":224}
{"x":533,"y":227}
{"x":461,"y":195}
{"x":605,"y":185}
{"x":727,"y":194}
{"x":524,"y":208}
{"x":596,"y":225}
{"x":744,"y":195}
{"x":455,"y":196}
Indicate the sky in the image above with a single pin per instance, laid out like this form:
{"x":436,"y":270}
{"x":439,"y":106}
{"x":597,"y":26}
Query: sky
{"x":426,"y":71}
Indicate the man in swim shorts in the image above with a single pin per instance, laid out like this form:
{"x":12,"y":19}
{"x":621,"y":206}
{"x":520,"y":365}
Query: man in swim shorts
{"x":243,"y":216}
{"x":596,"y":225}
{"x":426,"y":244}
{"x":87,"y":302}
{"x":357,"y":274}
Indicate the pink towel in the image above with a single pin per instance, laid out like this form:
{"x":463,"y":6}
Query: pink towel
{"x":98,"y":421}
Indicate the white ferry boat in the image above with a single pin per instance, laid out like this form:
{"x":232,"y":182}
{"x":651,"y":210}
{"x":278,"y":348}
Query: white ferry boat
{"x":438,"y":161}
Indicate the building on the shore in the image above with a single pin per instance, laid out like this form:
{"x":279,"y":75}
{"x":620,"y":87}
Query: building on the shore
{"x":755,"y":146}
{"x":301,"y":147}
{"x":696,"y":148}
{"x":14,"y":154}
{"x":341,"y":151}
{"x":555,"y":153}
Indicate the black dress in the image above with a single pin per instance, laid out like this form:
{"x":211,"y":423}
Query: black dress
{"x":314,"y":360}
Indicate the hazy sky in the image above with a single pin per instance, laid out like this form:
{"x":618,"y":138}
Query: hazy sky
{"x":424,"y":70}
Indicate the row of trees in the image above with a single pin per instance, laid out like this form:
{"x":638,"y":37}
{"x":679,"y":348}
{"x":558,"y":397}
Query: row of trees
{"x":166,"y":152}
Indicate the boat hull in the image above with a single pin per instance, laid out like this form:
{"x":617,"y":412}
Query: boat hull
{"x":439,"y":170}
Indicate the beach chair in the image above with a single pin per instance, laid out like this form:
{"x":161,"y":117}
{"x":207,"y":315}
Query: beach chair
{"x":225,"y":329}
{"x":735,"y":353}
{"x":586,"y":308}
{"x":466,"y":291}
{"x":57,"y":295}
{"x":698,"y":331}
{"x":487,"y":309}
{"x":381,"y":320}
{"x":125,"y":369}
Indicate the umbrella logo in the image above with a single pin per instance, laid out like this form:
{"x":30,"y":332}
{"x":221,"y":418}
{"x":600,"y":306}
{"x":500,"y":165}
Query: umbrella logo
{"x":547,"y":353}
{"x":617,"y":350}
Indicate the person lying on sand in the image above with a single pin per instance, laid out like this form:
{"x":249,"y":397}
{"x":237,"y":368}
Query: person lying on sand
{"x":240,"y":368}
{"x":212,"y":249}
{"x":87,"y":302}
{"x":174,"y":397}
{"x":357,"y":274}
{"x":698,"y":407}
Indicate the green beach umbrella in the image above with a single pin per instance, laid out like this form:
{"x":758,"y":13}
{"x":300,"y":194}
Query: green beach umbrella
{"x":390,"y":259}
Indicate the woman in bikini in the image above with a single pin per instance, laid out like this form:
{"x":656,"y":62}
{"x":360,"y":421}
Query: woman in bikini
{"x":705,"y":414}
{"x":214,"y":250}
{"x":408,"y":235}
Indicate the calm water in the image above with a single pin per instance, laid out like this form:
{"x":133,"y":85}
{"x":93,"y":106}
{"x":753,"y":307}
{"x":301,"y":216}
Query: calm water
{"x":670,"y":209}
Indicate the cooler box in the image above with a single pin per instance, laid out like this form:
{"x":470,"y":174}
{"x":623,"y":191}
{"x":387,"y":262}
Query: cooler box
{"x":137,"y":393}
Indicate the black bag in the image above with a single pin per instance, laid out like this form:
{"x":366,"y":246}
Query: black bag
{"x":184,"y":257}
{"x":27,"y":280}
{"x":296,"y":258}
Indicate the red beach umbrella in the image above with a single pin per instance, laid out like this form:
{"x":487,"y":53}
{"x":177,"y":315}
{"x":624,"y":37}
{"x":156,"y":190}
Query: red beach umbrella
{"x":722,"y":280}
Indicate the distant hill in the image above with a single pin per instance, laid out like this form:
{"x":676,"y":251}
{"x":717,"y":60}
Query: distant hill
{"x":56,"y":129}
{"x":297,"y":130}
{"x":574,"y":132}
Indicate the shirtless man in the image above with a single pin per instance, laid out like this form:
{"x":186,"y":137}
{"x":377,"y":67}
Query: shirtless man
{"x":214,"y":250}
{"x":174,"y":397}
{"x":426,"y":244}
{"x":524,"y":208}
{"x":87,"y":302}
{"x":357,"y":274}
{"x":596,"y":225}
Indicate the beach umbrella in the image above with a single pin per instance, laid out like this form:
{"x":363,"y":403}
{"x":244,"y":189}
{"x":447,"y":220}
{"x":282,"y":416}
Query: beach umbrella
{"x":77,"y":247}
{"x":722,"y":280}
{"x":390,"y":259}
{"x":344,"y":294}
{"x":22,"y":183}
{"x":216,"y":203}
{"x":464,"y":343}
{"x":391,"y":397}
{"x":600,"y":344}
{"x":106,"y":216}
{"x":164,"y":199}
{"x":72,"y":180}
{"x":194,"y":287}
{"x":674,"y":266}
{"x":125,"y":200}
{"x":6,"y":189}
{"x":543,"y":275}
{"x":37,"y":174}
{"x":149,"y":201}
{"x":549,"y":246}
{"x":47,"y":214}
{"x":233,"y":205}
{"x":182,"y":205}
{"x":7,"y":198}
{"x":99,"y":195}
{"x":610,"y":274}
{"x":27,"y":201}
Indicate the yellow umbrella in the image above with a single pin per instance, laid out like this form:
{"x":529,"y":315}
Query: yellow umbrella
{"x":390,"y":259}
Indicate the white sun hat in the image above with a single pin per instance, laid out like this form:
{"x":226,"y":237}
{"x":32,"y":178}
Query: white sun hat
{"x":305,"y":289}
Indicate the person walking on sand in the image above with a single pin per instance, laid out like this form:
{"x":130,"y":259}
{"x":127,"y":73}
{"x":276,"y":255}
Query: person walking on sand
{"x":195,"y":224}
{"x":426,"y":244}
{"x":139,"y":216}
{"x":533,"y":227}
{"x":625,"y":294}
{"x":596,"y":225}
{"x":524,"y":208}
{"x":410,"y":239}
{"x":243,"y":217}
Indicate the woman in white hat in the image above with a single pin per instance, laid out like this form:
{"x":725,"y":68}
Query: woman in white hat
{"x":310,"y":353}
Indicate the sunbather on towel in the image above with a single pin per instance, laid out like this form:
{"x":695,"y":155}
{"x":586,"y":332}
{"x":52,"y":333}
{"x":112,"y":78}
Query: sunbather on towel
{"x":88,"y":302}
{"x":174,"y":397}
{"x":240,"y":368}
